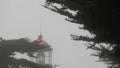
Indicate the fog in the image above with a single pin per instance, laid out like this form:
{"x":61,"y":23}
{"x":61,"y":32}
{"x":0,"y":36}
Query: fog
{"x":22,"y":18}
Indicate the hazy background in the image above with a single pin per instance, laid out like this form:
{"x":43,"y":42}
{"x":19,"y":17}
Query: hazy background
{"x":22,"y":18}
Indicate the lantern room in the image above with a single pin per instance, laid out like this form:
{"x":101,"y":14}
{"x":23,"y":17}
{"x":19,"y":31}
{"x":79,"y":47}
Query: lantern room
{"x":44,"y":55}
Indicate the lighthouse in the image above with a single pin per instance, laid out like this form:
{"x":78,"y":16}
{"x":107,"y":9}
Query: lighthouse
{"x":44,"y":55}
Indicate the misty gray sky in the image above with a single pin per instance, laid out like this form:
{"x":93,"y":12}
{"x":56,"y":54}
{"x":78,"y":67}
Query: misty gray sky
{"x":22,"y":18}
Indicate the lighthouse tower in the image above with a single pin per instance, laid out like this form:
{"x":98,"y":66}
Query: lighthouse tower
{"x":44,"y":55}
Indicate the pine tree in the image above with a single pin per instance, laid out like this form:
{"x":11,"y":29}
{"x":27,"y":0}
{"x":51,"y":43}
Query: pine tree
{"x":22,"y":45}
{"x":100,"y":18}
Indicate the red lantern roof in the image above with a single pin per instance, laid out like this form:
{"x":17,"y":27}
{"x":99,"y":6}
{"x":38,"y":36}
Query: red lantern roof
{"x":48,"y":49}
{"x":45,"y":44}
